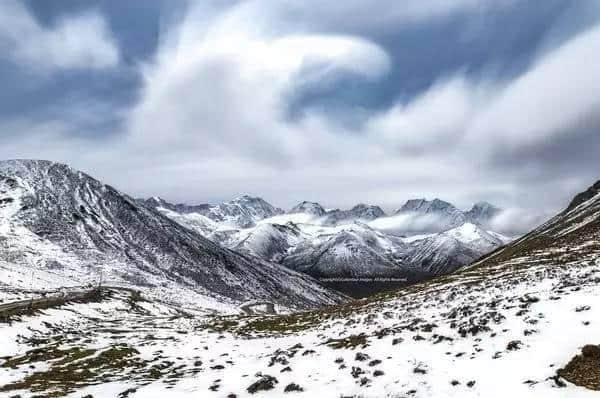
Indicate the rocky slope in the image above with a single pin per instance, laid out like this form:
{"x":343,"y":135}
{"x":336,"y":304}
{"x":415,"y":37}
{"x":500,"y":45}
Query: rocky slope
{"x":63,"y":225}
{"x":572,"y":235}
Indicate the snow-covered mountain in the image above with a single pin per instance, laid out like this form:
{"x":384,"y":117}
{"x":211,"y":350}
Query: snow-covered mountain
{"x":305,"y":207}
{"x":68,"y":228}
{"x":521,"y":322}
{"x":354,"y":242}
{"x":354,"y":250}
{"x":361,"y":212}
{"x":437,"y":215}
{"x":241,"y":212}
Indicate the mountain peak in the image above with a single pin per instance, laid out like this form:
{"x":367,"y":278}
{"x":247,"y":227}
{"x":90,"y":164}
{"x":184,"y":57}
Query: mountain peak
{"x":425,"y":206}
{"x":584,"y":196}
{"x":482,"y":212}
{"x":307,"y":207}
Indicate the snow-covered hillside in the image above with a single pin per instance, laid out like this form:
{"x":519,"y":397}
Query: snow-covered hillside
{"x":521,"y":323}
{"x":59,"y":226}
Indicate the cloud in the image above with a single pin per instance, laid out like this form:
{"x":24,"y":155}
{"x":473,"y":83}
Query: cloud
{"x":74,"y":41}
{"x":551,"y":98}
{"x":409,"y":223}
{"x":224,"y":87}
{"x":517,"y":221}
{"x":388,"y":14}
{"x":212,"y":119}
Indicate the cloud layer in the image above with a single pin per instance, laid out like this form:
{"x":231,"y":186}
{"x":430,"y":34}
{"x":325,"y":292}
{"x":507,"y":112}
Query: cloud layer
{"x":76,"y":41}
{"x":213,"y":115}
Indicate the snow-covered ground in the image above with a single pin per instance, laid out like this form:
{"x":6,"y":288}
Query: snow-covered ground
{"x":466,"y":335}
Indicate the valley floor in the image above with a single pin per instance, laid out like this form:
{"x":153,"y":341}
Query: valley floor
{"x":466,"y":335}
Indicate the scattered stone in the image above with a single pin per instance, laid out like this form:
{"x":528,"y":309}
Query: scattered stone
{"x":265,"y":383}
{"x":292,"y":387}
{"x":514,"y":345}
{"x":126,"y":393}
{"x":356,"y":371}
{"x":361,"y":357}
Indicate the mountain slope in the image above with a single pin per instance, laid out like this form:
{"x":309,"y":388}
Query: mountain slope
{"x":572,"y":235}
{"x":61,"y":221}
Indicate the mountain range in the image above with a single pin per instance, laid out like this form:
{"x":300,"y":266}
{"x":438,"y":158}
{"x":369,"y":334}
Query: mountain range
{"x":420,"y":240}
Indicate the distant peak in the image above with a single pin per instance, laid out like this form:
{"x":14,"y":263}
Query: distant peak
{"x":423,"y":205}
{"x":484,"y":205}
{"x":584,"y":196}
{"x":309,"y":208}
{"x":245,"y":197}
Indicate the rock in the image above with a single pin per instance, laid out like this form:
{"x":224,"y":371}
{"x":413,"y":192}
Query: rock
{"x":591,"y":351}
{"x":293,"y":387}
{"x":361,"y":357}
{"x":514,"y":345}
{"x":265,"y":383}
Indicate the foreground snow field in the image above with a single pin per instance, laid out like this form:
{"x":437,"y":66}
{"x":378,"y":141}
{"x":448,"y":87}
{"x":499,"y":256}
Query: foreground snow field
{"x":464,"y":335}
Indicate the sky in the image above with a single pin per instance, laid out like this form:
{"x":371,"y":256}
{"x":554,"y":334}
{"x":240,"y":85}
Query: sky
{"x":335,"y":102}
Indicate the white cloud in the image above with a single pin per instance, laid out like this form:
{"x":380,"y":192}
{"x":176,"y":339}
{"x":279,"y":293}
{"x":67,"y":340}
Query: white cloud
{"x":517,"y":221}
{"x":559,"y":91}
{"x":212,"y":122}
{"x":75,"y":41}
{"x":224,"y":88}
